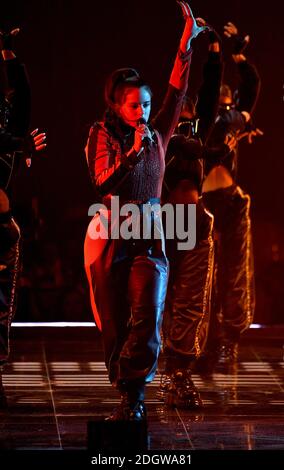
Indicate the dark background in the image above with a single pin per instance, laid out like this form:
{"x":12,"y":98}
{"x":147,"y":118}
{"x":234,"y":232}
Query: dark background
{"x":69,"y":47}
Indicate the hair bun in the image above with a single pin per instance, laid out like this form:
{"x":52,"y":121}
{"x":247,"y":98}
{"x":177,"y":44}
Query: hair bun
{"x":117,"y":77}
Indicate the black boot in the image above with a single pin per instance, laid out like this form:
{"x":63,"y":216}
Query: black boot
{"x":182,"y":391}
{"x":128,"y":410}
{"x":131,"y":407}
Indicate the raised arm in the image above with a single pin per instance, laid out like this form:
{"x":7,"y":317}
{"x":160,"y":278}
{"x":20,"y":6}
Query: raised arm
{"x":178,"y":78}
{"x":208,"y":94}
{"x":167,"y":118}
{"x":249,"y":86}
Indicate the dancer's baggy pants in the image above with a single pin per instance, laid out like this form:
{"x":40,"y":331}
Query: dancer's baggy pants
{"x":187,"y":313}
{"x":234,"y":291}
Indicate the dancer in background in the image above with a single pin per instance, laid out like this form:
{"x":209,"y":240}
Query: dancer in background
{"x":187,"y":312}
{"x":234,"y":293}
{"x":15,"y":143}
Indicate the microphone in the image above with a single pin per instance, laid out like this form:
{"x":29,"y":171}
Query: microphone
{"x":146,"y":140}
{"x":141,"y":121}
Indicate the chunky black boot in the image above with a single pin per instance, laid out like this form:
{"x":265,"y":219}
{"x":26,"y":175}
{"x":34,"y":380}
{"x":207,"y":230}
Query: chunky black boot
{"x":182,"y":391}
{"x":128,"y":411}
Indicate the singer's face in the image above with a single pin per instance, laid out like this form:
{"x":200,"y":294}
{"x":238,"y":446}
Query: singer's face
{"x":136,"y":105}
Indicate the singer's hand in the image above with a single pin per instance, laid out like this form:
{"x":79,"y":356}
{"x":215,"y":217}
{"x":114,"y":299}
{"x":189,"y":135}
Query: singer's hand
{"x":141,"y":132}
{"x":38,"y":140}
{"x":192,"y":29}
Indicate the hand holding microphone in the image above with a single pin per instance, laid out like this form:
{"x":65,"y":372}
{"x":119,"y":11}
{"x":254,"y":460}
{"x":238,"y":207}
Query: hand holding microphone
{"x":142,"y":139}
{"x":142,"y":136}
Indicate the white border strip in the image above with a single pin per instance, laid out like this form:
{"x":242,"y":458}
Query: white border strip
{"x":64,"y":324}
{"x":53,"y":324}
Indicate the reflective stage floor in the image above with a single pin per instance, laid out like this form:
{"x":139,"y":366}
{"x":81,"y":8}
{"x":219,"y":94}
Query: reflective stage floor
{"x":56,"y":382}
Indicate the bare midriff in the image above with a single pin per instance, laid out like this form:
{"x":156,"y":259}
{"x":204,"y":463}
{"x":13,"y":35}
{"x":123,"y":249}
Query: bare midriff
{"x":184,"y":193}
{"x":217,"y":178}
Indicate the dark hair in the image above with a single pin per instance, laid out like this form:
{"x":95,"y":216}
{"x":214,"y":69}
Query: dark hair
{"x":120,"y":90}
{"x":119,"y":81}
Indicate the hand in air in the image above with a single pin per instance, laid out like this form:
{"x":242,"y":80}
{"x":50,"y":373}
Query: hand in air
{"x":192,"y":28}
{"x":239,"y":42}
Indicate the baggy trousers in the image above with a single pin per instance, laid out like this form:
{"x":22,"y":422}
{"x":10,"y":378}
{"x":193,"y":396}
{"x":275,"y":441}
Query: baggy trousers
{"x":234,"y":290}
{"x":187,"y":312}
{"x":129,"y":279}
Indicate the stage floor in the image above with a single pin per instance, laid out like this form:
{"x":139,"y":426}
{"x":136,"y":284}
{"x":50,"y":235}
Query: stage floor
{"x":56,"y":382}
